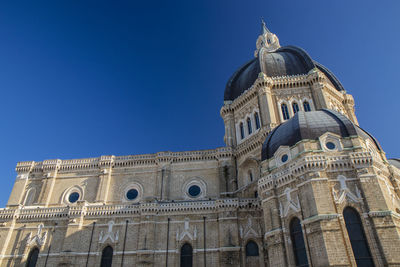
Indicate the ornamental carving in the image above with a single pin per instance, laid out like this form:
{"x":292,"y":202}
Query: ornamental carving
{"x":39,"y":239}
{"x":249,"y":230}
{"x":113,"y":237}
{"x":290,"y":204}
{"x":187,"y":233}
{"x":344,"y":192}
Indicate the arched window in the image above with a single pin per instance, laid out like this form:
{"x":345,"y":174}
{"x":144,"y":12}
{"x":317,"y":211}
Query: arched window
{"x":250,"y":176}
{"x":186,"y":255}
{"x":357,"y":238}
{"x":32,"y":258}
{"x":306,"y":106}
{"x":285,"y":112}
{"x":295,"y":107}
{"x":106,"y":257}
{"x":251,"y":249}
{"x":30,"y":195}
{"x":299,"y":247}
{"x":249,"y":128}
{"x":241,"y":131}
{"x":257,"y":120}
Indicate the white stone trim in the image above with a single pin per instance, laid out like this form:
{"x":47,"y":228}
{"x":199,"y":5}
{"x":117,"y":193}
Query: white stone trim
{"x":70,"y":190}
{"x":291,"y":101}
{"x":132,"y":185}
{"x":194,"y":181}
{"x":309,"y":100}
{"x":126,"y":210}
{"x":282,"y":150}
{"x":280,"y":102}
{"x":243,"y":120}
{"x":330,"y":137}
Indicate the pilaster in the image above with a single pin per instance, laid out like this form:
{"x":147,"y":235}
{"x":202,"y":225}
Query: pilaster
{"x":266,"y":103}
{"x":106,"y":164}
{"x":348,"y":103}
{"x":227,"y":115}
{"x":50,"y":169}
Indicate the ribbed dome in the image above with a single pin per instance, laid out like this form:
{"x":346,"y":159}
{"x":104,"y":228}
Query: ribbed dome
{"x":288,"y":60}
{"x":311,"y":125}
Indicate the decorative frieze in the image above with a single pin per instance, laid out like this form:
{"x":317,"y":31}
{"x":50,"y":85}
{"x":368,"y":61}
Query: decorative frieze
{"x":96,"y":211}
{"x":105,"y":162}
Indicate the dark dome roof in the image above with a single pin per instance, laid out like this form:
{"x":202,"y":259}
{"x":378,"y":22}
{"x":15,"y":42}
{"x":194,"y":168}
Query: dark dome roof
{"x":288,"y":60}
{"x":311,"y":125}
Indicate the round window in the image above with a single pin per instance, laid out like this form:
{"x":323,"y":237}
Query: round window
{"x":194,"y":190}
{"x":330,"y":145}
{"x":132,"y":194}
{"x":73,"y":197}
{"x":284,"y":158}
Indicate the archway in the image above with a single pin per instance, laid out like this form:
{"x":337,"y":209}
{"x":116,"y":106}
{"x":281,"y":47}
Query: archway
{"x":186,"y":255}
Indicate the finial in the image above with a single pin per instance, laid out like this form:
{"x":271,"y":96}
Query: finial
{"x":267,"y":41}
{"x":264,"y":28}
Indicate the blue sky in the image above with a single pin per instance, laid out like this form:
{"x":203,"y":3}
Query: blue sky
{"x":89,"y":78}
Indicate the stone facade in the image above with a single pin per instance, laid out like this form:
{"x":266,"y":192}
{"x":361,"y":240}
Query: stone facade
{"x":241,"y":199}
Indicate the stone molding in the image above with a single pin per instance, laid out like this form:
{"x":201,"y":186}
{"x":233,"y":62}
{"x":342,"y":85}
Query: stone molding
{"x":320,"y":217}
{"x":124,"y":161}
{"x":293,"y":81}
{"x":99,"y":210}
{"x":313,"y":163}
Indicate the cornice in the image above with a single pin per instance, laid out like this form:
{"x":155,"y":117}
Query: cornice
{"x":294,"y":81}
{"x":314,"y":164}
{"x":252,"y":143}
{"x":102,"y":162}
{"x":87,"y":210}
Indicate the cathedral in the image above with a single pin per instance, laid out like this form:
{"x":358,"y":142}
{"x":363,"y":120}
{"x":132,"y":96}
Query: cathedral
{"x":298,"y":183}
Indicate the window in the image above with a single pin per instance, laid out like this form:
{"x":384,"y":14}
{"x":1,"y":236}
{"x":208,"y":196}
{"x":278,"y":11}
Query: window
{"x":330,"y":145}
{"x":194,"y":191}
{"x":106,"y":257}
{"x":241,"y":131}
{"x":251,"y":249}
{"x":295,"y":107}
{"x":30,"y":195}
{"x":257,"y":120}
{"x":284,"y":158}
{"x":306,"y":106}
{"x":357,"y":238}
{"x":132,"y":194}
{"x":73,"y":197}
{"x":285,"y":112}
{"x":32,"y":258}
{"x":186,"y":255}
{"x":250,"y":176}
{"x":299,"y":248}
{"x":249,"y":128}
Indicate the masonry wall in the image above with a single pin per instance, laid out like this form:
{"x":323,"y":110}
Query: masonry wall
{"x":228,"y":229}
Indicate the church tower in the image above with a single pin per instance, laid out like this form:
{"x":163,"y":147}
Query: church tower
{"x":270,"y":89}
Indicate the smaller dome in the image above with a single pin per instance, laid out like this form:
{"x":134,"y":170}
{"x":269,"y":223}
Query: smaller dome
{"x":311,"y":125}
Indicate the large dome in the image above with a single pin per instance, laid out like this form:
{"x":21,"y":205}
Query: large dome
{"x":310,"y":126}
{"x":284,"y":61}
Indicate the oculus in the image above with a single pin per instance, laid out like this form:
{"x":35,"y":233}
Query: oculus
{"x":194,"y":191}
{"x":73,"y":197}
{"x":330,"y":145}
{"x":132,"y":194}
